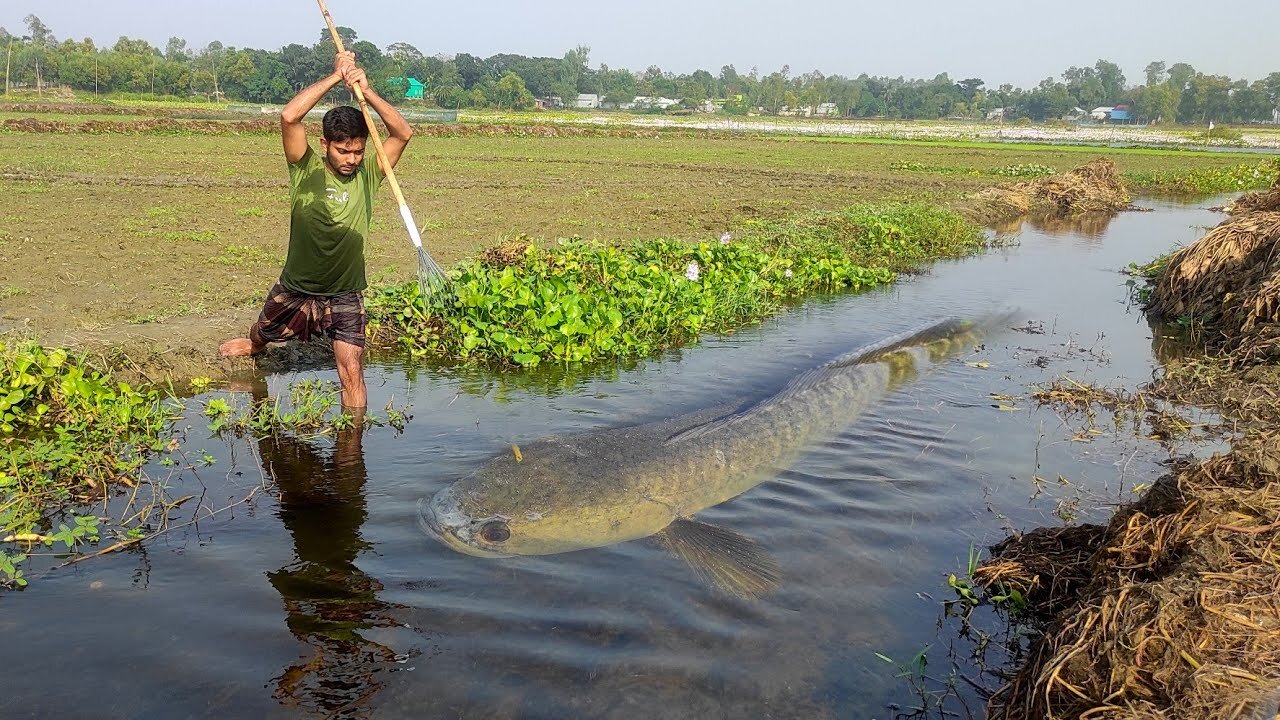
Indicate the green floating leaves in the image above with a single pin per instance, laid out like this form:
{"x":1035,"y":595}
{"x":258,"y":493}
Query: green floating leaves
{"x":579,"y":301}
{"x":66,"y":429}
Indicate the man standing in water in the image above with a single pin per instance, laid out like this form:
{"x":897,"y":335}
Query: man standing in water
{"x":320,"y":290}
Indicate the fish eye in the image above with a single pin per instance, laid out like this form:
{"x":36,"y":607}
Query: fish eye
{"x":495,"y":531}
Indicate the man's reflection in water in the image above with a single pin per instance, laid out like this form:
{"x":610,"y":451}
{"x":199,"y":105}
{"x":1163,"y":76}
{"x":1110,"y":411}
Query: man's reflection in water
{"x":328,"y":601}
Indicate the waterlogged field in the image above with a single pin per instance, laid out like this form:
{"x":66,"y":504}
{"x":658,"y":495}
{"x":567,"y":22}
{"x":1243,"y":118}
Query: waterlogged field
{"x":107,"y":235}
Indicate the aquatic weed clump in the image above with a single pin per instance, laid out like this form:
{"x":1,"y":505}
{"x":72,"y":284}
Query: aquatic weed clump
{"x":581,"y":301}
{"x":1207,"y":181}
{"x":67,"y":434}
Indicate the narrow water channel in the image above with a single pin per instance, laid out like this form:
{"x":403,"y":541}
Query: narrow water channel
{"x":320,"y":596}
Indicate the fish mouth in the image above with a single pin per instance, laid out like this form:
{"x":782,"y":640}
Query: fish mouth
{"x":441,"y":518}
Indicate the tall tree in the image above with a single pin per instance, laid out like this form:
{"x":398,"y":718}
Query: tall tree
{"x":572,"y":68}
{"x":1155,"y":72}
{"x":40,"y":34}
{"x":176,"y":49}
{"x":1180,"y":74}
{"x":1111,"y":79}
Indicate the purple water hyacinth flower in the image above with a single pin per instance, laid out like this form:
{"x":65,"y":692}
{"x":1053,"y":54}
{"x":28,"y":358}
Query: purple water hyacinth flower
{"x":725,"y":238}
{"x":692,"y":272}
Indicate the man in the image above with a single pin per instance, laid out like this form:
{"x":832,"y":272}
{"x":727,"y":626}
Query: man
{"x":320,"y":290}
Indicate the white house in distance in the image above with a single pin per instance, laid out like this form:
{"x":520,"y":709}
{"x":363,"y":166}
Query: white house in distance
{"x":644,"y":102}
{"x":587,"y":101}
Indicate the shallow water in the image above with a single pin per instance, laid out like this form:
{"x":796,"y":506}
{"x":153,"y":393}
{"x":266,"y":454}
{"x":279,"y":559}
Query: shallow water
{"x":321,"y":596}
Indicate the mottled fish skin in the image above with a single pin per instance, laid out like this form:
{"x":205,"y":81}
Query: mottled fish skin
{"x":609,"y":486}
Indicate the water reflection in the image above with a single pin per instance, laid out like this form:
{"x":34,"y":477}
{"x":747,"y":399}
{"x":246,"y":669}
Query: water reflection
{"x":1092,"y":226}
{"x":329,"y":603}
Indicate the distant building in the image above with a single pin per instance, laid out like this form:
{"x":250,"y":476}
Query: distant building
{"x":996,"y":114}
{"x":805,"y":111}
{"x":644,"y":102}
{"x":587,"y":101}
{"x":413,"y":88}
{"x":1118,"y":114}
{"x":827,"y":109}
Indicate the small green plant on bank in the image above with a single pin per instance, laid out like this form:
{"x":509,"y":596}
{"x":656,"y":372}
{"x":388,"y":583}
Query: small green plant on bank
{"x":1143,"y":276}
{"x":915,"y":673}
{"x":10,"y":575}
{"x":305,"y":411}
{"x":970,"y":593}
{"x":581,"y":301}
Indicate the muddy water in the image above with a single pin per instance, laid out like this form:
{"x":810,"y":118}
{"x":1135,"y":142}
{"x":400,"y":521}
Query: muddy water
{"x":320,"y":596}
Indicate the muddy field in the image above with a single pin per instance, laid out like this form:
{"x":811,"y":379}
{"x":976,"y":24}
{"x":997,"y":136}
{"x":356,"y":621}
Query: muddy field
{"x":162,"y":243}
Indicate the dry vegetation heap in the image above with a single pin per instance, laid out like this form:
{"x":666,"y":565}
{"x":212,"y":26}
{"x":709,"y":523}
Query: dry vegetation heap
{"x":1095,"y":187}
{"x":1228,"y":284}
{"x":1171,"y":611}
{"x":1261,"y":201}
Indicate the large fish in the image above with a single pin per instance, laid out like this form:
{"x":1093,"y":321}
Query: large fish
{"x":609,"y":486}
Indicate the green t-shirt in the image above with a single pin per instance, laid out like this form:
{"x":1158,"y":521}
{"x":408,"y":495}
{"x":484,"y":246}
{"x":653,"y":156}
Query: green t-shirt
{"x":328,"y":224}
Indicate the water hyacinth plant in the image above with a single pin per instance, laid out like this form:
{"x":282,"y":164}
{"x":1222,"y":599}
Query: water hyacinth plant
{"x":1209,"y":180}
{"x":581,"y":301}
{"x":67,"y":433}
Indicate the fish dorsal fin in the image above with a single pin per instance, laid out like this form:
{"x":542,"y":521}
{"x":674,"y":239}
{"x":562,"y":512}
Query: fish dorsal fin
{"x":943,"y":329}
{"x":939,"y":330}
{"x":702,"y":429}
{"x":722,"y":557}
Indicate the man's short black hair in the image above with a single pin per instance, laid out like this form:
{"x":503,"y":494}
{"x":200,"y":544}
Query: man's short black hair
{"x":344,"y":123}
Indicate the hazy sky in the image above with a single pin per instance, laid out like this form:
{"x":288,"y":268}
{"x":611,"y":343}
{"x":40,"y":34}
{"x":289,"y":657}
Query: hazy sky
{"x":997,"y":40}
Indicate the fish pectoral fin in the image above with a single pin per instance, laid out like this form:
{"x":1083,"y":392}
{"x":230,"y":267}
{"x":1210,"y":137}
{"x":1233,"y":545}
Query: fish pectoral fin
{"x":722,"y":557}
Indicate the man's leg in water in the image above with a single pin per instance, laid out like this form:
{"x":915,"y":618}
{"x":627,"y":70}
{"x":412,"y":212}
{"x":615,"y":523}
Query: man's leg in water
{"x":350,"y":373}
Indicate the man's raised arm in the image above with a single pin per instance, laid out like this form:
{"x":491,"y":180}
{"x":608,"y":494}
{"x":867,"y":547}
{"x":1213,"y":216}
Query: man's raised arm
{"x":291,"y":128}
{"x":398,"y":130}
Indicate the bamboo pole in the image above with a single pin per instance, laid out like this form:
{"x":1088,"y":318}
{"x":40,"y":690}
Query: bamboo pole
{"x":426,"y":265}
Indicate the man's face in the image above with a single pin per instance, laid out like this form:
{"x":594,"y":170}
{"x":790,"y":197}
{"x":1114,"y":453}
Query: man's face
{"x":344,"y":156}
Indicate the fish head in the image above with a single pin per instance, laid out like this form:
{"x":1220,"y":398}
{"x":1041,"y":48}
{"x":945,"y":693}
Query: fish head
{"x":557,"y":497}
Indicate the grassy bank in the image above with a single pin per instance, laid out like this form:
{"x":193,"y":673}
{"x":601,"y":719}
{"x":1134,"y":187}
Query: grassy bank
{"x":188,"y":231}
{"x":523,"y":304}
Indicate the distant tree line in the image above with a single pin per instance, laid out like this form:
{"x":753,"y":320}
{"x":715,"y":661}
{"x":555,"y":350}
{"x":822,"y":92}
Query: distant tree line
{"x":1170,"y":93}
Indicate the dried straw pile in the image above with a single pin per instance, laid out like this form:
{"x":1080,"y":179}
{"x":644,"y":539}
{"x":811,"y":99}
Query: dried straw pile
{"x":1180,"y":614}
{"x":1228,"y":282}
{"x":1261,"y":201}
{"x":1092,"y":188}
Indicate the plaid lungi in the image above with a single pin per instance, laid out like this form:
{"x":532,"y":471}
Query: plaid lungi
{"x":292,"y":315}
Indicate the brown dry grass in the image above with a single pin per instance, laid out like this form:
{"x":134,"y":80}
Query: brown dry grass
{"x":1091,"y":188}
{"x":1260,"y":201}
{"x":1228,"y":283}
{"x":1176,"y":611}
